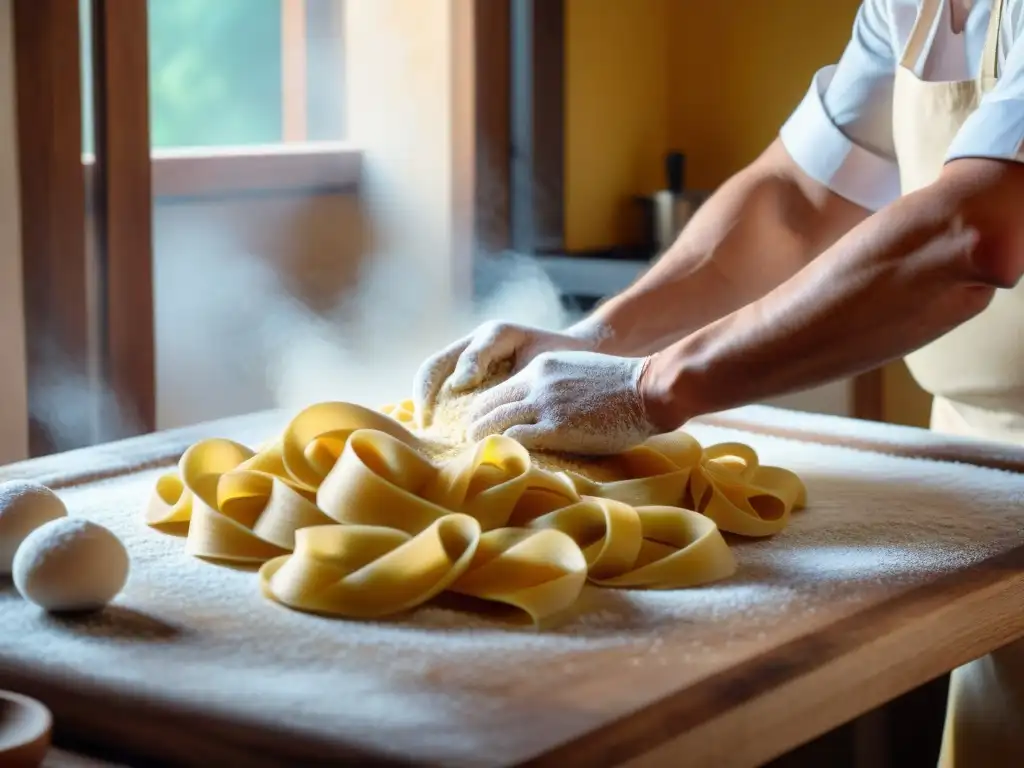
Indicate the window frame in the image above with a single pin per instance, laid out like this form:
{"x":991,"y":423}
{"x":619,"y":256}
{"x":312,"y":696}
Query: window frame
{"x":78,"y":269}
{"x":219,"y":171}
{"x":87,"y":220}
{"x":51,"y":203}
{"x":303,"y":161}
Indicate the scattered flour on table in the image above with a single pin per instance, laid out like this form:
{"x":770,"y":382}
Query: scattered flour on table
{"x":874,"y":527}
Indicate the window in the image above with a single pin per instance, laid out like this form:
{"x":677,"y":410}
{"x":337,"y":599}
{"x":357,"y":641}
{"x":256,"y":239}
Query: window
{"x":237,"y":72}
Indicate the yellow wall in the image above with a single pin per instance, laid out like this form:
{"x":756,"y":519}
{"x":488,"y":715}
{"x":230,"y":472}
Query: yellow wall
{"x":616,"y":115}
{"x":738,"y":70}
{"x":715,"y":80}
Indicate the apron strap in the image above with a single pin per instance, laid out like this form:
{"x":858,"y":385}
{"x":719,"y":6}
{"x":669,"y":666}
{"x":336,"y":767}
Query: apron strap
{"x":990,"y":54}
{"x":930,"y":10}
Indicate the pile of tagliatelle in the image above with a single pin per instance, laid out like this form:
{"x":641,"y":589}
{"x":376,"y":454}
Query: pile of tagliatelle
{"x":352,"y":513}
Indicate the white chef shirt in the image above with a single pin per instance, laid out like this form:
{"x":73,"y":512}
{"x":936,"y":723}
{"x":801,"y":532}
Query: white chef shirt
{"x":841,"y":133}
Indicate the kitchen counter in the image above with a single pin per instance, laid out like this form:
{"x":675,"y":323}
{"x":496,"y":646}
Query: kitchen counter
{"x":906,"y":563}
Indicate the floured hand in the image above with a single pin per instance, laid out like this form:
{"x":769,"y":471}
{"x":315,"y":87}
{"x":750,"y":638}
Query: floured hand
{"x":568,"y":401}
{"x":465,"y":364}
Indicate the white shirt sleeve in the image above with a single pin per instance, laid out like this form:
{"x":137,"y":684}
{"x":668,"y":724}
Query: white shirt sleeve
{"x":841,"y":133}
{"x":996,"y":128}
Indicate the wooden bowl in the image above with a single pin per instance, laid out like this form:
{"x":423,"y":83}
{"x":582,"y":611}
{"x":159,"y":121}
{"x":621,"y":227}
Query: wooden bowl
{"x":25,"y":726}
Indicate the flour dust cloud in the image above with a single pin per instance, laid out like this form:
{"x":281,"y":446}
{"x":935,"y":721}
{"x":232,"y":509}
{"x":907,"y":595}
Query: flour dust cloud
{"x":69,"y":401}
{"x":368,"y":350}
{"x":234,"y":335}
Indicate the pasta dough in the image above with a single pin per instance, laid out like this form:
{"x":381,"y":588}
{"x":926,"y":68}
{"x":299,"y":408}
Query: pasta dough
{"x":350,"y":513}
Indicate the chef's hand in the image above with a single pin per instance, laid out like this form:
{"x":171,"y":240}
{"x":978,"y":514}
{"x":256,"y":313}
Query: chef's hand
{"x":465,"y":363}
{"x":573,"y":402}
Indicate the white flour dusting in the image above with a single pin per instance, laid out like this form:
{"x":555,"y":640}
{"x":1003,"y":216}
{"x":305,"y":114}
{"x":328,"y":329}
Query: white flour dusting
{"x":452,"y":415}
{"x":446,"y":436}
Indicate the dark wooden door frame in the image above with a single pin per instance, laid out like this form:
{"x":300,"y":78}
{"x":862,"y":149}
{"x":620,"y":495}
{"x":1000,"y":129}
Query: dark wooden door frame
{"x":520,"y":77}
{"x":537,"y":116}
{"x":492,"y":78}
{"x":84,"y":387}
{"x":53,"y":229}
{"x":123,"y":210}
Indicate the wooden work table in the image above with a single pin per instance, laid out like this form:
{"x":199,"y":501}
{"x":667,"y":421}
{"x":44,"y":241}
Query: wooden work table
{"x":906,"y":563}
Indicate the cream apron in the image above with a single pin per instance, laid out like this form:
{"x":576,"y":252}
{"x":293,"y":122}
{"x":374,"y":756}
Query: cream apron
{"x":976,"y":374}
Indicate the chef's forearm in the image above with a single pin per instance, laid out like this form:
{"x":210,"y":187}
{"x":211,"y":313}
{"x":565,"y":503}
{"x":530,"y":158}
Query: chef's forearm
{"x":897,"y":281}
{"x":756,"y":231}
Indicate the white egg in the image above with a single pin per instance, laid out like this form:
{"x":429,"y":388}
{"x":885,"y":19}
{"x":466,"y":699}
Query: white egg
{"x":70,"y":564}
{"x":24,"y":506}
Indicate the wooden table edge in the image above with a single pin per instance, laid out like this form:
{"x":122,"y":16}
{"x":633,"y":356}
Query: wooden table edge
{"x":760,"y":709}
{"x":179,"y":732}
{"x":785,"y":697}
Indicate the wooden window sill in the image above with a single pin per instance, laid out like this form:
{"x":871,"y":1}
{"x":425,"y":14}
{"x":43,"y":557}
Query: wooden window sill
{"x":278,"y":168}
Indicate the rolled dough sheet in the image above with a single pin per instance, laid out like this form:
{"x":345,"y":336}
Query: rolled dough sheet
{"x":191,"y":642}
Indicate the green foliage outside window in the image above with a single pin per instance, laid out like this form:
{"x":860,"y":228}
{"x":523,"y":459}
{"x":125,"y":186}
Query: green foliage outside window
{"x":214,"y":72}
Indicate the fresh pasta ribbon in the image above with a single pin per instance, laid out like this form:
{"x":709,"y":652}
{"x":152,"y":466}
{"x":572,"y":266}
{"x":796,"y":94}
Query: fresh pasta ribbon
{"x":314,"y":440}
{"x":370,"y":571}
{"x":661,"y":547}
{"x":657,"y":472}
{"x":741,"y":496}
{"x":539,"y":572}
{"x":495,"y":482}
{"x":350,"y":513}
{"x":378,"y":480}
